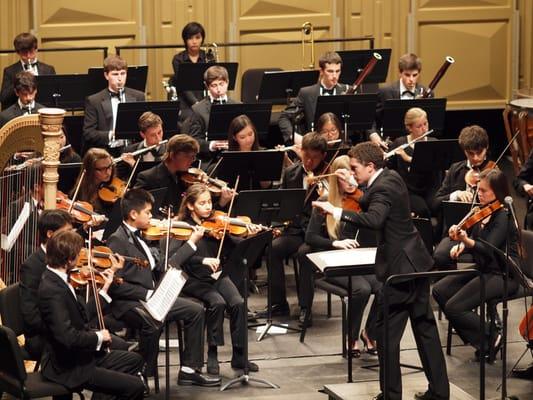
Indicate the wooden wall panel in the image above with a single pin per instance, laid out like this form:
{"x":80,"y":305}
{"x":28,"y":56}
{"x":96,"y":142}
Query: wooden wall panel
{"x":526,"y":44}
{"x":15,"y":17}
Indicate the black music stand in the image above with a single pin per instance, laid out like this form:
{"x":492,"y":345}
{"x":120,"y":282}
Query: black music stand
{"x":221,"y":116}
{"x":280,"y":86}
{"x":74,"y":131}
{"x":190,"y":76}
{"x":251,"y":166}
{"x":63,"y":91}
{"x":247,"y":250}
{"x":356,"y":112}
{"x":265,"y":206}
{"x":454,"y":211}
{"x":136,"y":79}
{"x":353,"y":62}
{"x":433,"y":155}
{"x":68,"y":173}
{"x":128,"y":114}
{"x":394,"y":113}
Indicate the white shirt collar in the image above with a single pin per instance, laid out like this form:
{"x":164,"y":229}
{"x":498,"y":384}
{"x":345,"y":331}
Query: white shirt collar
{"x":61,"y":274}
{"x":31,"y":105}
{"x":222,"y":98}
{"x":374,"y":177}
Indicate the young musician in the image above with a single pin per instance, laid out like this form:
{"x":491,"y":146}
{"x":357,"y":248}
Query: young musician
{"x":458,"y":296}
{"x":181,"y":151}
{"x":325,"y":233}
{"x":314,"y":150}
{"x":422,"y":186}
{"x":218,"y":294}
{"x":139,"y":285}
{"x":330,"y":64}
{"x":73,"y":354}
{"x":50,"y":222}
{"x":25,"y":86}
{"x":101,"y":108}
{"x":523,"y":184}
{"x":405,"y":88}
{"x":216,"y":80}
{"x":193,"y":35}
{"x":329,"y":126}
{"x":26,"y":47}
{"x":385,"y":208}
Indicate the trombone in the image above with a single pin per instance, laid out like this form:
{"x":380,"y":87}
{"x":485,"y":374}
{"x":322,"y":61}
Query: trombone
{"x":308,"y":35}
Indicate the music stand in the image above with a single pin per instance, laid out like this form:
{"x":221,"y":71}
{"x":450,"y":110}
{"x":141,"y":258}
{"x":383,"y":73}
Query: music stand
{"x":136,"y":78}
{"x":246,"y":248}
{"x":279,"y":86}
{"x":62,"y":91}
{"x":251,"y":166}
{"x":353,"y":62}
{"x":128,"y":114}
{"x":337,"y":152}
{"x":221,"y":116}
{"x":68,"y":173}
{"x":433,"y":155}
{"x":394,"y":114}
{"x":74,"y":131}
{"x":265,"y":206}
{"x":190,"y":76}
{"x":357,"y":112}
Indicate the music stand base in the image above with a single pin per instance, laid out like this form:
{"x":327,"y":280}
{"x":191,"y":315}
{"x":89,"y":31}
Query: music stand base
{"x":270,"y":324}
{"x":245,"y":379}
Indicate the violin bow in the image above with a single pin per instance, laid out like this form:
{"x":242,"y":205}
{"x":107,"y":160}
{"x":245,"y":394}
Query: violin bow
{"x":226,"y":222}
{"x":167,"y":238}
{"x":78,"y":185}
{"x":312,"y":188}
{"x":132,"y":173}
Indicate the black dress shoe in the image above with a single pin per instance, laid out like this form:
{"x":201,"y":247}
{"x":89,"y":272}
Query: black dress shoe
{"x":427,"y":396}
{"x":278,"y":310}
{"x":252,"y":367}
{"x":378,"y":397}
{"x":197,"y":379}
{"x":213,"y":367}
{"x":304,"y":313}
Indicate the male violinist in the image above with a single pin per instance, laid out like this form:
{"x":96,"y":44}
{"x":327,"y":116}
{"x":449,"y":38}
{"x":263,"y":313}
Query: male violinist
{"x":400,"y":250}
{"x":139,"y":285}
{"x":73,"y":355}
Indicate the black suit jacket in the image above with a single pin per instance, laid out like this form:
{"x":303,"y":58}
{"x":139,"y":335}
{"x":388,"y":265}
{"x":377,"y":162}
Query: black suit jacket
{"x":31,"y":271}
{"x":69,"y":352}
{"x":306,"y":102}
{"x":160,"y":177}
{"x":137,"y":281}
{"x":14,"y":111}
{"x":524,"y":176}
{"x":454,"y":180}
{"x":7,"y":93}
{"x":98,"y":119}
{"x":386,"y":209}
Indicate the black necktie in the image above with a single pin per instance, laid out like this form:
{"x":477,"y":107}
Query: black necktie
{"x":116,"y":94}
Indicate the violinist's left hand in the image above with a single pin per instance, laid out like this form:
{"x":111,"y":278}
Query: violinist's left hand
{"x":253,"y":229}
{"x":117,"y":262}
{"x":108,"y":275}
{"x":225,"y":196}
{"x":324,"y":206}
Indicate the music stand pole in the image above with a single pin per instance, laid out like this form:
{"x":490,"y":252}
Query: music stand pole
{"x":245,"y":377}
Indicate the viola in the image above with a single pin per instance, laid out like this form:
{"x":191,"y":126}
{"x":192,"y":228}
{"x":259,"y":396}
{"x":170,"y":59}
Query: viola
{"x":101,"y":258}
{"x":82,"y":276}
{"x":80,"y":210}
{"x":472,"y":176}
{"x":475,"y":216}
{"x":196,"y":175}
{"x":112,"y":191}
{"x":350,"y":201}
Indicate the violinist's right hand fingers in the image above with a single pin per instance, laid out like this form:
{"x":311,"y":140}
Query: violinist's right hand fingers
{"x":106,"y":336}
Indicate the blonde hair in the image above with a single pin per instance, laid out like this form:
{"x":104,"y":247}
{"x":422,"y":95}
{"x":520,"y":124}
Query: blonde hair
{"x":335,"y":195}
{"x":412,"y":115}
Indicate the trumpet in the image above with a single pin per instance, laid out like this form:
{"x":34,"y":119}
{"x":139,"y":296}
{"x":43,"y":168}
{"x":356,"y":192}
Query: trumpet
{"x":211,"y":52}
{"x":307,"y":30}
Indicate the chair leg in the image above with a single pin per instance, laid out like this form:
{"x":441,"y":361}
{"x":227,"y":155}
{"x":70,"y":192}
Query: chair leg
{"x":156,"y":379}
{"x":296,"y":275}
{"x":439,"y":315}
{"x":329,"y":304}
{"x":449,"y":340}
{"x":343,"y":327}
{"x":179,"y":329}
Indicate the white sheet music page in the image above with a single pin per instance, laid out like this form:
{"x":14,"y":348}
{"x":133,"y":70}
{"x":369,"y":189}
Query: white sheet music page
{"x":341,"y":258}
{"x":158,"y":305}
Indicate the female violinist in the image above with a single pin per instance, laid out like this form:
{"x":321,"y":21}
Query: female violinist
{"x":329,"y":126}
{"x":422,"y":186}
{"x":217,"y":294}
{"x":458,"y":295}
{"x":324,"y":233}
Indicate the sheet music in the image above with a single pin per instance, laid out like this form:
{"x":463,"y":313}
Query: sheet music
{"x":341,"y":258}
{"x":159,"y":304}
{"x":9,"y":240}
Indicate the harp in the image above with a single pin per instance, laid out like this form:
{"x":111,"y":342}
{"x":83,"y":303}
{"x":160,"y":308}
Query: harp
{"x":26,"y":185}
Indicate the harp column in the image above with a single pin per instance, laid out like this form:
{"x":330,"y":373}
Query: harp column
{"x":51,"y":120}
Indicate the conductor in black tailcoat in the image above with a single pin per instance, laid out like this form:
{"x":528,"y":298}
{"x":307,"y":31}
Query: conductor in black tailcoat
{"x":400,"y":250}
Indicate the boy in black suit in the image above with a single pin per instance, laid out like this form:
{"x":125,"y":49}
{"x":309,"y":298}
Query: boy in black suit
{"x":73,"y":354}
{"x":385,"y":208}
{"x":26,"y":47}
{"x":25,"y":86}
{"x":101,"y":108}
{"x":139,"y":284}
{"x":330,"y":64}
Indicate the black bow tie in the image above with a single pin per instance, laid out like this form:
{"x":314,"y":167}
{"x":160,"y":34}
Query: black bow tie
{"x":326,"y":92}
{"x":219,"y":101}
{"x":118,"y":95}
{"x":26,"y":109}
{"x":408,"y":92}
{"x":28,"y":66}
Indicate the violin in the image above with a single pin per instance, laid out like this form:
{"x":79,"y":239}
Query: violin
{"x":101,"y":258}
{"x":196,"y":175}
{"x":112,"y":191}
{"x":82,"y":211}
{"x":475,"y":216}
{"x":472,"y":176}
{"x":79,"y":277}
{"x":350,"y":201}
{"x":180,"y":230}
{"x":237,"y":226}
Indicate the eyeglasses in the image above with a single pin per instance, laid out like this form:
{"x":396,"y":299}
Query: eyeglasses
{"x":106,"y":168}
{"x":329,"y":131}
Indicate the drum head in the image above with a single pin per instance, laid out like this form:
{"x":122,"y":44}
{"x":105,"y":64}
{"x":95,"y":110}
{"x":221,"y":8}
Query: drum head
{"x":522,"y":103}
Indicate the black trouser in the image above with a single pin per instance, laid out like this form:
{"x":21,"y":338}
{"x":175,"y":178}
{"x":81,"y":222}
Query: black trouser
{"x":218,"y":296}
{"x":282,"y":247}
{"x":458,"y":296}
{"x":410,"y":300}
{"x":116,"y":374}
{"x":192,"y":315}
{"x":419,"y":205}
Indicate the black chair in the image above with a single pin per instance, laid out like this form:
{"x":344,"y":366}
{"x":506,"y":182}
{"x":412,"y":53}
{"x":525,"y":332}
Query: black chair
{"x":13,"y":377}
